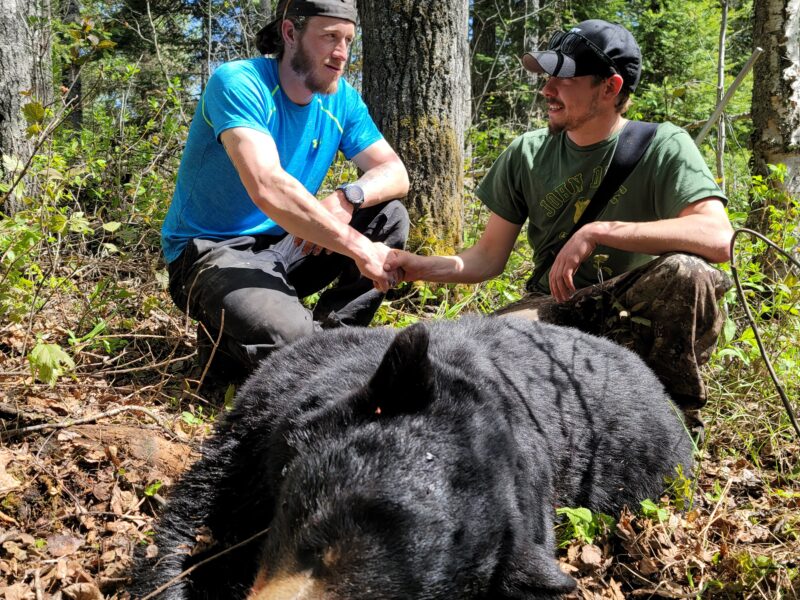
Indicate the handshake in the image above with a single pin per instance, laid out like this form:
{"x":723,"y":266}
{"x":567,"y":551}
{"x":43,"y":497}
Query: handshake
{"x":387,"y":266}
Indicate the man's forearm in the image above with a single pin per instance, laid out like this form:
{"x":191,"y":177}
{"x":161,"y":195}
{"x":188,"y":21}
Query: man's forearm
{"x":384,"y":182}
{"x":290,"y":205}
{"x":471,"y":266}
{"x":699,"y":234}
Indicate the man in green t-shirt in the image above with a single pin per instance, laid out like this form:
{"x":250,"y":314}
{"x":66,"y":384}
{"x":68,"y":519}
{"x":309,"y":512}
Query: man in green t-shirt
{"x":638,"y":273}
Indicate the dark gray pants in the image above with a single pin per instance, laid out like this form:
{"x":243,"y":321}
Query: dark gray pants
{"x":250,"y":287}
{"x":666,"y":311}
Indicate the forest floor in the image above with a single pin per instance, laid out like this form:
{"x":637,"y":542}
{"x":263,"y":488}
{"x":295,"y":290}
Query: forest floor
{"x":85,"y":465}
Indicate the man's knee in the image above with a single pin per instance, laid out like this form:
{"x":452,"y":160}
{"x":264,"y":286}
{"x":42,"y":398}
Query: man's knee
{"x":265,"y":319}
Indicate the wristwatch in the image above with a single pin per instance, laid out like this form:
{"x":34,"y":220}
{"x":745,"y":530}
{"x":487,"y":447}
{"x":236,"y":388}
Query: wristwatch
{"x":353,"y":193}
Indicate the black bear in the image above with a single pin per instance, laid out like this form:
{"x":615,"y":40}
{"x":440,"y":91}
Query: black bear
{"x":421,"y":465}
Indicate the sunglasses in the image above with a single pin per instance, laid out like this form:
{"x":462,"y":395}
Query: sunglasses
{"x":567,"y":41}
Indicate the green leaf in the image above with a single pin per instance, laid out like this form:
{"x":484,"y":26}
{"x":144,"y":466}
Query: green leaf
{"x":729,"y":330}
{"x":34,"y":112}
{"x":152,"y":489}
{"x":191,"y":419}
{"x":652,"y":510}
{"x":48,"y":362}
{"x":112,"y":226}
{"x":106,"y":45}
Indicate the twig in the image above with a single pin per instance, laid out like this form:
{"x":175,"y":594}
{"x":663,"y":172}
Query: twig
{"x":70,"y":423}
{"x":735,"y":272}
{"x":37,"y":582}
{"x":213,"y":349}
{"x":148,"y":367}
{"x":177,"y":578}
{"x":711,"y":517}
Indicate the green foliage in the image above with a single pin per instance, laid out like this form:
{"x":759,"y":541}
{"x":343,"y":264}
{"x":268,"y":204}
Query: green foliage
{"x":48,"y":362}
{"x":582,"y":525}
{"x":152,"y":489}
{"x":651,"y":510}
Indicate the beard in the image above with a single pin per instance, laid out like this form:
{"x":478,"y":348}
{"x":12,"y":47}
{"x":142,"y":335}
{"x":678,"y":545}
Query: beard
{"x":574,"y":122}
{"x":302,"y":64}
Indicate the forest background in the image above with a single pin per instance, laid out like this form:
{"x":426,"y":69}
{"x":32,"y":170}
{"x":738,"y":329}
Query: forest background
{"x":102,"y":402}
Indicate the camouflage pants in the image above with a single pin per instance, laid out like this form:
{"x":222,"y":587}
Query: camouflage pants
{"x":666,"y":311}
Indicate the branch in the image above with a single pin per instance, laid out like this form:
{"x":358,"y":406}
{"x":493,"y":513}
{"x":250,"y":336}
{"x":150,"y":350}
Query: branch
{"x":70,"y":423}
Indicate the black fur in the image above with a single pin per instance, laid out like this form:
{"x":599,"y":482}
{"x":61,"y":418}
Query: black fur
{"x":429,"y":461}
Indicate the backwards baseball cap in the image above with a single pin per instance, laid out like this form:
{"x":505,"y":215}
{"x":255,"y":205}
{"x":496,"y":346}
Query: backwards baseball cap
{"x":593,"y":47}
{"x":268,"y":40}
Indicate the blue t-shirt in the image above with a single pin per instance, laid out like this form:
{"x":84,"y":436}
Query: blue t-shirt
{"x":210,"y":200}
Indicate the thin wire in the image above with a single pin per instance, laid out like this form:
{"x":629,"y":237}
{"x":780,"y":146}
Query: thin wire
{"x":750,"y":318}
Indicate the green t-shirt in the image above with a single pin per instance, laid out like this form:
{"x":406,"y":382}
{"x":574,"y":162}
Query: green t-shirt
{"x":549,"y":181}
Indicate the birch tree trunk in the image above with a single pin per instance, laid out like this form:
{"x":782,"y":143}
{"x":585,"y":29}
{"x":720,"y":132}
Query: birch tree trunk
{"x":416,"y":83}
{"x":776,"y":89}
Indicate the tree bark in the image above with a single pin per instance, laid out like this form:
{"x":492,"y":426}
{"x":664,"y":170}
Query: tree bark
{"x":416,"y":82}
{"x":71,"y":73}
{"x":24,"y":78}
{"x":776,"y":89}
{"x":483,"y":52}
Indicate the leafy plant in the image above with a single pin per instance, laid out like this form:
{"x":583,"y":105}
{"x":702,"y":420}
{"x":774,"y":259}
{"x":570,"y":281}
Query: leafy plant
{"x":48,"y":362}
{"x":582,"y":525}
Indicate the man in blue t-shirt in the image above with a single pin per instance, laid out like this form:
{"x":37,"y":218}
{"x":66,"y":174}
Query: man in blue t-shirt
{"x":244,"y":237}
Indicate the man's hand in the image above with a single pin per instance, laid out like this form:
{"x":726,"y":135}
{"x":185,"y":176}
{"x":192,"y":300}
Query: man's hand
{"x":404,"y":265}
{"x":577,"y":249}
{"x":339,"y":208}
{"x":373,"y":267}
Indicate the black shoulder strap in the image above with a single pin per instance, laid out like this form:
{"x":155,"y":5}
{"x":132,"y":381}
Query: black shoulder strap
{"x":634,"y":139}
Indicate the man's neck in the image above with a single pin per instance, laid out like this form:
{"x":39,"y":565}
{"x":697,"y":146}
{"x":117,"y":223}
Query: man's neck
{"x":292,"y":84}
{"x":598,"y":129}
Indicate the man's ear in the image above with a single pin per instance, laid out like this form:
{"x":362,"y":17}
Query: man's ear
{"x":288,"y":32}
{"x":614,"y":85}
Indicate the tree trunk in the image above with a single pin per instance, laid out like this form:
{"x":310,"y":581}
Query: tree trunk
{"x":776,"y":91}
{"x":24,"y":78}
{"x":416,"y":83}
{"x":71,"y":73}
{"x":483,"y":52}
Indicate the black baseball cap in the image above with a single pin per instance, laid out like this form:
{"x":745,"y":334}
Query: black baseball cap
{"x":268,"y":40}
{"x":593,"y":47}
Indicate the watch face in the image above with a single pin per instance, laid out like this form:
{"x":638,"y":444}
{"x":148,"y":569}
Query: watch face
{"x":354,"y":194}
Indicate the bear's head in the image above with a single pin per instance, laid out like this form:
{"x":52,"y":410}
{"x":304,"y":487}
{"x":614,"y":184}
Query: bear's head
{"x":390,"y":497}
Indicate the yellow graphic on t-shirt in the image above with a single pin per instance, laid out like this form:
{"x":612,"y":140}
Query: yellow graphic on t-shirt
{"x":580,"y":206}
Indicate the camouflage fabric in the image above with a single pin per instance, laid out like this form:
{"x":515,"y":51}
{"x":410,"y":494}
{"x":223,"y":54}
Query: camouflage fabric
{"x":666,"y":311}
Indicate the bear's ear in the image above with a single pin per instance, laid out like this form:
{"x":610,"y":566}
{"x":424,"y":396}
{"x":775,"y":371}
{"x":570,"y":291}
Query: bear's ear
{"x":528,"y":574}
{"x":403,"y":382}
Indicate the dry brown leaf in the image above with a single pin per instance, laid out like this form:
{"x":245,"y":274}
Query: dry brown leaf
{"x":63,"y":545}
{"x":591,"y":556}
{"x":83,"y":591}
{"x":122,"y":501}
{"x":18,"y":591}
{"x":102,"y":491}
{"x":616,"y":590}
{"x":15,"y":551}
{"x":648,"y":566}
{"x":754,"y":533}
{"x":573,"y":552}
{"x":7,"y":482}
